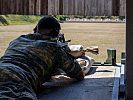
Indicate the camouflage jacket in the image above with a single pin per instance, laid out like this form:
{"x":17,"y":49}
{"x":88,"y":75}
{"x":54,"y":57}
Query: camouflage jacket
{"x":31,"y":58}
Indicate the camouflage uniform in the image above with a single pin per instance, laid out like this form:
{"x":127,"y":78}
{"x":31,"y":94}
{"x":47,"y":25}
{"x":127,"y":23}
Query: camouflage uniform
{"x":28,"y":62}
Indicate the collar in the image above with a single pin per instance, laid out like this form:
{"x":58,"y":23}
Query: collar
{"x":38,"y":36}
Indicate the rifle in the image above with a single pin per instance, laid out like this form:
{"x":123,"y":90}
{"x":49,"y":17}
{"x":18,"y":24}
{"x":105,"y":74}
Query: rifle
{"x":75,"y":50}
{"x":61,"y":40}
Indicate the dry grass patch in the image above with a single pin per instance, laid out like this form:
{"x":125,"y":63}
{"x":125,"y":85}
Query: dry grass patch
{"x":104,"y":35}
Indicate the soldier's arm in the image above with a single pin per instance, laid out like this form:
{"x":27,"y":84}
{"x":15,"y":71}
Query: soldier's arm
{"x":69,"y":64}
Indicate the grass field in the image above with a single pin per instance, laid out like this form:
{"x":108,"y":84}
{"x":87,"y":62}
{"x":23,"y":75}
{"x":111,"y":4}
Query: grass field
{"x":103,"y":35}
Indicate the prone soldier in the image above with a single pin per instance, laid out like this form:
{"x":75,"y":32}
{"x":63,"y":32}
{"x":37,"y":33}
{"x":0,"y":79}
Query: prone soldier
{"x":30,"y":60}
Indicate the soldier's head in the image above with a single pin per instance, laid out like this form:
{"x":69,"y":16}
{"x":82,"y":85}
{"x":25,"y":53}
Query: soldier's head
{"x":48,"y":26}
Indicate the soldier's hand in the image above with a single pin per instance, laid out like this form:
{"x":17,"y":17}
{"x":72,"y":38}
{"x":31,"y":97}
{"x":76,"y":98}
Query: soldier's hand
{"x":80,"y":76}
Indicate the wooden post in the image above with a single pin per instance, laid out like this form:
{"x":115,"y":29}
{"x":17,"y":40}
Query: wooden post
{"x":44,"y":7}
{"x":1,"y":5}
{"x":87,"y":7}
{"x":22,"y":7}
{"x":129,"y":49}
{"x":108,"y":7}
{"x":56,"y":7}
{"x":81,"y":7}
{"x":65,"y":7}
{"x":12,"y":6}
{"x":26,"y":8}
{"x":17,"y":7}
{"x":37,"y":7}
{"x":51,"y":7}
{"x":100,"y":8}
{"x":122,"y":8}
{"x":4,"y":7}
{"x":115,"y":7}
{"x":31,"y":7}
{"x":61,"y":7}
{"x":76,"y":7}
{"x":70,"y":7}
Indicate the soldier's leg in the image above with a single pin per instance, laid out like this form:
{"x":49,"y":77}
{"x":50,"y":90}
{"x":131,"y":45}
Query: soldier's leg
{"x":13,"y":90}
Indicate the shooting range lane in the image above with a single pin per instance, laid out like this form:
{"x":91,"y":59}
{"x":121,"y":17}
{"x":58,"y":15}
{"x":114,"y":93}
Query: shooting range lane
{"x":97,"y":85}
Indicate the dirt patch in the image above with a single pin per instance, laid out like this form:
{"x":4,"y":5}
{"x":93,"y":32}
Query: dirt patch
{"x":104,"y":35}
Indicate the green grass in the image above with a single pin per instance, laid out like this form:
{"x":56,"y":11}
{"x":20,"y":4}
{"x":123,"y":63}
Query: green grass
{"x":19,"y":19}
{"x":33,"y":19}
{"x":23,"y":19}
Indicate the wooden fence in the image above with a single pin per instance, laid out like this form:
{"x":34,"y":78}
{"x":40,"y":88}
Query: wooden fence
{"x":64,"y":7}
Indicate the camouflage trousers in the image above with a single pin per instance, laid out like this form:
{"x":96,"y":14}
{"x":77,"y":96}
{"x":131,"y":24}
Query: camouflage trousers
{"x":11,"y":89}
